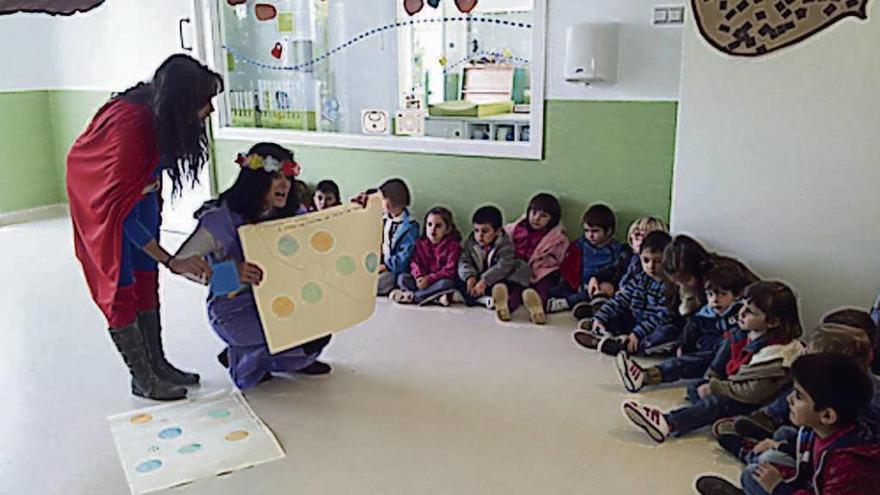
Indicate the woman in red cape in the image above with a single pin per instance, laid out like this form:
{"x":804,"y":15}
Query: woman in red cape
{"x":113,"y":176}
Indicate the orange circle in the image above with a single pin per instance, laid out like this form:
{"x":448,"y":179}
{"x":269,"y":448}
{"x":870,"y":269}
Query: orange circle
{"x":141,"y":419}
{"x":236,"y":436}
{"x":322,"y":241}
{"x":283,"y":306}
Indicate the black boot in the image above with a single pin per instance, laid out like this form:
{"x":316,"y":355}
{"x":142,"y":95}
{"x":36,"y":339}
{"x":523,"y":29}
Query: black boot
{"x":144,"y":381}
{"x":151,"y":330}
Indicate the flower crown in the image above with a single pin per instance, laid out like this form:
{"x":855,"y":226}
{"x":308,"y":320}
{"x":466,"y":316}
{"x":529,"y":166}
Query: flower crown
{"x":267,"y":163}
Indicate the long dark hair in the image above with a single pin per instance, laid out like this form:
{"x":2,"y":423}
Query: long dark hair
{"x":180,"y":88}
{"x":247,"y":194}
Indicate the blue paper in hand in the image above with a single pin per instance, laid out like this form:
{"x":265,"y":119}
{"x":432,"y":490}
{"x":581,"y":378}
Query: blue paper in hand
{"x":224,"y":279}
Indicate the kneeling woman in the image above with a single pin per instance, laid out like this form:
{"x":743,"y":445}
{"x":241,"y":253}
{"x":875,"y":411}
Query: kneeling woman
{"x":261,"y":192}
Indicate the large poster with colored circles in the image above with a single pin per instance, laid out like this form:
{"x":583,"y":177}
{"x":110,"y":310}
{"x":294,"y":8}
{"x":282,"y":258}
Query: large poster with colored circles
{"x":173,"y":444}
{"x":319,"y":271}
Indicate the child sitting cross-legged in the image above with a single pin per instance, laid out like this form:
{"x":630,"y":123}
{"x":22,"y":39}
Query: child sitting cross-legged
{"x":595,"y":251}
{"x":539,"y":239}
{"x":488,"y":261}
{"x":761,"y":352}
{"x":701,"y":339}
{"x":637,"y":319}
{"x":609,"y":279}
{"x":399,"y":234}
{"x":434,"y":262}
{"x":838,"y":444}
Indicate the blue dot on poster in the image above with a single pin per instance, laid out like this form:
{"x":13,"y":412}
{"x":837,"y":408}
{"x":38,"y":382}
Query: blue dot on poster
{"x":170,"y":433}
{"x":371,"y":262}
{"x":287,"y":245}
{"x":149,"y":466}
{"x":219,"y":414}
{"x":190,"y":449}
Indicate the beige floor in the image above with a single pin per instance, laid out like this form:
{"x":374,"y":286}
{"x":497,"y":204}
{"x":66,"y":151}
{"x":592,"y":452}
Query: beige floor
{"x":420,"y":401}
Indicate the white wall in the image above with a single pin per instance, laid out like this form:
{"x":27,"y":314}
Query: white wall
{"x":116,"y":45}
{"x":650,"y":57}
{"x":779,"y":161}
{"x":27,"y":51}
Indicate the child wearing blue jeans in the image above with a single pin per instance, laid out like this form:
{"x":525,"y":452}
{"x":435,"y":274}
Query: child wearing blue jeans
{"x":638,"y":318}
{"x":701,"y":340}
{"x":761,"y":352}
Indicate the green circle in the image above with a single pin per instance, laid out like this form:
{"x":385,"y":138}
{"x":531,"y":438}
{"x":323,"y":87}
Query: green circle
{"x":312,"y":293}
{"x":371,"y":262}
{"x":190,"y":449}
{"x":287,"y":245}
{"x":345,"y":265}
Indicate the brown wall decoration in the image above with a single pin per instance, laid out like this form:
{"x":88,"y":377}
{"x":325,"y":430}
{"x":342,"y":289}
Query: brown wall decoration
{"x":52,"y":7}
{"x":750,"y":28}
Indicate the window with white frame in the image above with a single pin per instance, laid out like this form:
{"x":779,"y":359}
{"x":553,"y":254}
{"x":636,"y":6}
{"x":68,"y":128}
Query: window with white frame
{"x":435,"y":76}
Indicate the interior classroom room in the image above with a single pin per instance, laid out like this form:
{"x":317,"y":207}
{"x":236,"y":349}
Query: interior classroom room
{"x":749,"y":127}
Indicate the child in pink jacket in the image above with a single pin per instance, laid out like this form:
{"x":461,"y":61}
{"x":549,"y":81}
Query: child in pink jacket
{"x":432,"y":269}
{"x":540,"y":240}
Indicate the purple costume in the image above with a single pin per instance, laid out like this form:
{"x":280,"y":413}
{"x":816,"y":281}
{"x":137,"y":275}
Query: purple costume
{"x":235,"y":320}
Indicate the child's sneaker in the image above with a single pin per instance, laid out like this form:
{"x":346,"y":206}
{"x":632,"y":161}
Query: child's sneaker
{"x":587,"y":340}
{"x":401,"y":296}
{"x":435,"y":298}
{"x":446,"y":299}
{"x":586,"y":324}
{"x":486,"y":301}
{"x":499,"y":299}
{"x":737,"y":445}
{"x":631,"y":374}
{"x":582,"y":310}
{"x":715,"y":485}
{"x":557,"y":305}
{"x":648,"y":418}
{"x":535,"y":306}
{"x":756,"y":426}
{"x":611,"y":345}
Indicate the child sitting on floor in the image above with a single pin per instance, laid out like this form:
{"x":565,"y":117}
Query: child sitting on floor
{"x":700,"y":340}
{"x":765,"y":434}
{"x":608,"y":280}
{"x":596,"y":250}
{"x":761,"y":352}
{"x":261,"y":192}
{"x":488,"y":263}
{"x":539,"y":239}
{"x":326,"y":195}
{"x":399,"y":234}
{"x":434,"y":262}
{"x":838,"y":444}
{"x":637,"y":319}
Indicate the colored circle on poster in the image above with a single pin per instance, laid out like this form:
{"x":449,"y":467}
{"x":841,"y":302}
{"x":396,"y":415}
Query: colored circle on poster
{"x":283,"y":306}
{"x":170,"y":433}
{"x":371,"y":262}
{"x":141,"y":419}
{"x":346,"y":265}
{"x":235,"y":436}
{"x":148,"y":466}
{"x":312,"y":293}
{"x":220,"y":413}
{"x":287,"y":245}
{"x":190,"y":449}
{"x":322,"y":241}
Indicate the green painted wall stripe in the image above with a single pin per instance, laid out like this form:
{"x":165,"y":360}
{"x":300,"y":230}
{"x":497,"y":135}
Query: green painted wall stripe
{"x":620,"y":153}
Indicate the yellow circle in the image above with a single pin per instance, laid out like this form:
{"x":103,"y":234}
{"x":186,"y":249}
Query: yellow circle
{"x":322,"y":241}
{"x":141,"y":419}
{"x":237,"y":435}
{"x":283,"y":306}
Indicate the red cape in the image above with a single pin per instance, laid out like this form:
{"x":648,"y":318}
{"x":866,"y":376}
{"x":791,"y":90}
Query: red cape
{"x":108,"y":168}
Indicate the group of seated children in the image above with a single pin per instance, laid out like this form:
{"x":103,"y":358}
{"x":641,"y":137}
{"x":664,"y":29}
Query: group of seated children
{"x":802,"y":420}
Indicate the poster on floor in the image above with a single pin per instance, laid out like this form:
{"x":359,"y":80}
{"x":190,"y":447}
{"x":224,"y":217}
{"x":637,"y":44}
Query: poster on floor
{"x":319,"y":271}
{"x":174,"y":444}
